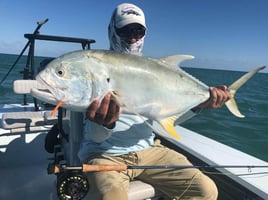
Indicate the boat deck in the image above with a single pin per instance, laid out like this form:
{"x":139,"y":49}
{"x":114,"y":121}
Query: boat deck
{"x":24,"y":161}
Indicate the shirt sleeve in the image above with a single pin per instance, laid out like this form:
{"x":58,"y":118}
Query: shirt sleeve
{"x":96,"y":132}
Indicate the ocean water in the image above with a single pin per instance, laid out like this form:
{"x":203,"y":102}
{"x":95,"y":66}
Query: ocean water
{"x":249,"y":134}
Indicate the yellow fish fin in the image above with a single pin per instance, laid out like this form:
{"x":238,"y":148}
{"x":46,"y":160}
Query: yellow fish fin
{"x":168,"y":125}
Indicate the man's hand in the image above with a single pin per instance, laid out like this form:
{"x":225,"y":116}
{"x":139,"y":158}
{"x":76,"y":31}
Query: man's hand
{"x":104,"y":113}
{"x":218,"y":96}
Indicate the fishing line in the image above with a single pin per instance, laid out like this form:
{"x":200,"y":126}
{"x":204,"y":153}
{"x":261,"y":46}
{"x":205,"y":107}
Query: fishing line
{"x":53,"y":112}
{"x":190,"y":184}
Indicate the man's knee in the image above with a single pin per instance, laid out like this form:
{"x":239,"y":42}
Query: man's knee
{"x":199,"y":187}
{"x":118,"y":193}
{"x":209,"y":189}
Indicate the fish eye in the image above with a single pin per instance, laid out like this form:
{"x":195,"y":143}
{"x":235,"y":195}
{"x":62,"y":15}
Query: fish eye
{"x":60,"y":71}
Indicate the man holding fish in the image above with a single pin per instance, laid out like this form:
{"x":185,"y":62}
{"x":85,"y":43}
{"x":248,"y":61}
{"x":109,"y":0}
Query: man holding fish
{"x":112,"y":138}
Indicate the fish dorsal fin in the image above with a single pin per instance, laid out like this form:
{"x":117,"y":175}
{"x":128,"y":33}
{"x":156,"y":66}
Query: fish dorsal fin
{"x":168,"y":125}
{"x":175,"y":60}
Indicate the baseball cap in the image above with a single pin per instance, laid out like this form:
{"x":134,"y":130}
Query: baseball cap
{"x":127,"y":13}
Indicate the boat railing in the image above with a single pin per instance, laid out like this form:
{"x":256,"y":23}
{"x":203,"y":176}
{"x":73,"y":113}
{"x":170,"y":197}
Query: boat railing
{"x":30,"y":70}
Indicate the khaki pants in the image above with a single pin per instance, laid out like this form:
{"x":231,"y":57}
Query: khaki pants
{"x":175,"y":183}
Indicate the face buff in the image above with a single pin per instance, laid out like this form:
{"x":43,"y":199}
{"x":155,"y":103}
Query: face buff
{"x":119,"y":45}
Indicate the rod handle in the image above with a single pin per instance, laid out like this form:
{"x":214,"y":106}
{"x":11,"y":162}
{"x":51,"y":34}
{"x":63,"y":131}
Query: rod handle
{"x":91,"y":168}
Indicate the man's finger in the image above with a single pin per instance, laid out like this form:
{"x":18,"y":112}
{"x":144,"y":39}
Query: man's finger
{"x":92,"y":109}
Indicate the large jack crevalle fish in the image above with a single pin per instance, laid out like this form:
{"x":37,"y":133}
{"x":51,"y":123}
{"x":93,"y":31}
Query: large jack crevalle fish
{"x":154,"y":88}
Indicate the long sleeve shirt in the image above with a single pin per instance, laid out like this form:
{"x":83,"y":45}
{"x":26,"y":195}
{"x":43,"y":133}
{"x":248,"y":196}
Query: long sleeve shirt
{"x":130,"y":134}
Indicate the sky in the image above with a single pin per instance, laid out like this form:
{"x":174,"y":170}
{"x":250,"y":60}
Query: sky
{"x":221,"y":34}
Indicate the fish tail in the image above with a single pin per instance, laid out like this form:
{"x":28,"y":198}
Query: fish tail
{"x":231,"y":104}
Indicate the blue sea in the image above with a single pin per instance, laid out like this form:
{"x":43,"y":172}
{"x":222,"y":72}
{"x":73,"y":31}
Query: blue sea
{"x":249,"y":134}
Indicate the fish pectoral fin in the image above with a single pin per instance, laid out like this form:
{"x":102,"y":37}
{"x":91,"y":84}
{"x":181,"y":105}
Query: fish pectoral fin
{"x":168,"y":125}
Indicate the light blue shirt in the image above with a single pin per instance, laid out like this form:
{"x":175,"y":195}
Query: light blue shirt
{"x":130,"y":134}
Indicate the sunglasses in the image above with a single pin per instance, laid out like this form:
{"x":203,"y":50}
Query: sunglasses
{"x":127,"y":32}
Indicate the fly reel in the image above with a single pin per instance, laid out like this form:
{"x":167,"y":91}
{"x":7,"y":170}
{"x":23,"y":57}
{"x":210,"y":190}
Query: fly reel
{"x":72,"y":185}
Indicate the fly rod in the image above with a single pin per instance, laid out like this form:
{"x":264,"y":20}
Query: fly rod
{"x":36,"y":31}
{"x":95,"y":168}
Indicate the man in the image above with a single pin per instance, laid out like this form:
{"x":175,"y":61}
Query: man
{"x":111,"y":138}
